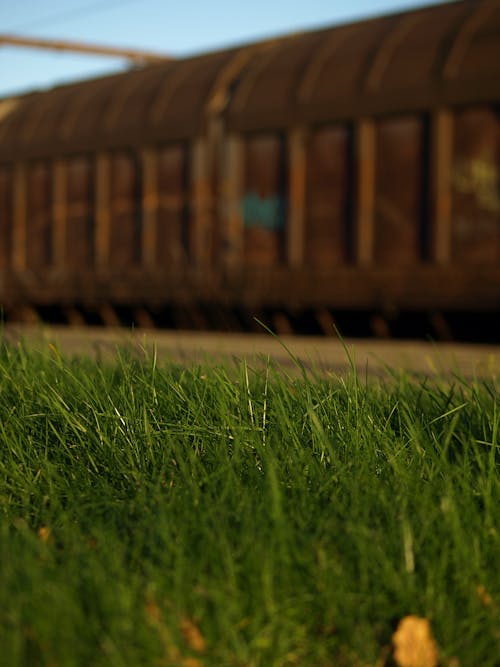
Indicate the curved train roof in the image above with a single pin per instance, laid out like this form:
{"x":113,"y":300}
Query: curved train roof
{"x":446,"y":54}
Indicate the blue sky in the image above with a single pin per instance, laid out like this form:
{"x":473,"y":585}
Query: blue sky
{"x":176,"y":27}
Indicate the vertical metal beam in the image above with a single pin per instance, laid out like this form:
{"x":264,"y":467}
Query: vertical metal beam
{"x":19,"y":231}
{"x":201,"y":228}
{"x":149,"y":207}
{"x":102,"y":235}
{"x":365,"y":179}
{"x":441,"y":164}
{"x":59,"y":213}
{"x":232,"y":192}
{"x":297,"y":197}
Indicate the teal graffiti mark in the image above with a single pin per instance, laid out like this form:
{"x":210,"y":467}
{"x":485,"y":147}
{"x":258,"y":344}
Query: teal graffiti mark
{"x":268,"y":212}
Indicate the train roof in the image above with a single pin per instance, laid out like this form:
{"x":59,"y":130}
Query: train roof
{"x":442,"y":55}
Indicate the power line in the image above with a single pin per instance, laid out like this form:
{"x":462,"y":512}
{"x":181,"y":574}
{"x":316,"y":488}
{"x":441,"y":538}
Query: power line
{"x":77,"y":12}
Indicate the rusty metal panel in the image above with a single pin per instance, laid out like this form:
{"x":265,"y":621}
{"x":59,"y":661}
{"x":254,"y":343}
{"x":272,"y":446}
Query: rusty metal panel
{"x":327,"y":46}
{"x":428,"y":58}
{"x":79,"y":116}
{"x":149,"y":207}
{"x":297,"y":187}
{"x":19,"y":209}
{"x":264,"y":199}
{"x":160,"y":103}
{"x":364,"y":188}
{"x":201,"y":210}
{"x":269,"y":84}
{"x":476,"y":47}
{"x":440,"y":158}
{"x":125,"y":210}
{"x":87,"y":111}
{"x":344,"y":71}
{"x":399,"y":190}
{"x":59,"y":213}
{"x":419,"y":53}
{"x":39,"y":215}
{"x":46,"y":116}
{"x":475,"y":179}
{"x":131,"y":101}
{"x":13,"y":124}
{"x":102,"y":212}
{"x":80,"y":212}
{"x":180,"y":96}
{"x":6,"y":210}
{"x":173,"y":231}
{"x":327,"y":200}
{"x":387,"y":51}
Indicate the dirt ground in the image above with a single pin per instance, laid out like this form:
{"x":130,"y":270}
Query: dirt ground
{"x":325,"y":354}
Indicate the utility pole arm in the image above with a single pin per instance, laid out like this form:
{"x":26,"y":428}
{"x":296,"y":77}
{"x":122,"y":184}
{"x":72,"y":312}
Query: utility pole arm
{"x":137,"y":57}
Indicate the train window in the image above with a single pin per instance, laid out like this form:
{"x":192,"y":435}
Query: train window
{"x":173,"y":228}
{"x":264,"y":199}
{"x":328,"y":196}
{"x":475,"y":185}
{"x":125,"y":209}
{"x":5,"y":215}
{"x":80,"y":212}
{"x":39,"y":215}
{"x":399,"y":190}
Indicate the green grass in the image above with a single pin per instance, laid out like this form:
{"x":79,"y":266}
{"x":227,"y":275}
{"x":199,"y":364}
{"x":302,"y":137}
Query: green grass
{"x":159,"y":515}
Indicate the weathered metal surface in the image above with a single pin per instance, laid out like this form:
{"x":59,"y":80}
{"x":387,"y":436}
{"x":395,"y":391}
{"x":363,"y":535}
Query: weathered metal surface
{"x":399,"y":191}
{"x":11,"y":121}
{"x":162,"y":102}
{"x":425,"y":39}
{"x":363,"y":68}
{"x":441,"y":146}
{"x":130,"y":99}
{"x":19,"y":239}
{"x":328,"y":189}
{"x":264,"y":200}
{"x":231,"y":210}
{"x":149,"y":205}
{"x":268,"y":88}
{"x":350,"y":62}
{"x":424,"y":287}
{"x":85,"y":119}
{"x":125,"y":196}
{"x":297,"y":150}
{"x":327,"y":46}
{"x":475,"y":41}
{"x":59,"y":214}
{"x":6,"y":188}
{"x":450,"y":50}
{"x":221,"y":92}
{"x":364,"y":187}
{"x":201,"y":211}
{"x":173,"y":231}
{"x":475,"y":182}
{"x":384,"y":56}
{"x":102,"y":215}
{"x":39,"y":216}
{"x":80,"y":197}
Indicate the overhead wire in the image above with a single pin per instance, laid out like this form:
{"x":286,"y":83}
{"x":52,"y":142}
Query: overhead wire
{"x":77,"y":12}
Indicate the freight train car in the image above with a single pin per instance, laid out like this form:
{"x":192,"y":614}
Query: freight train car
{"x":350,"y":170}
